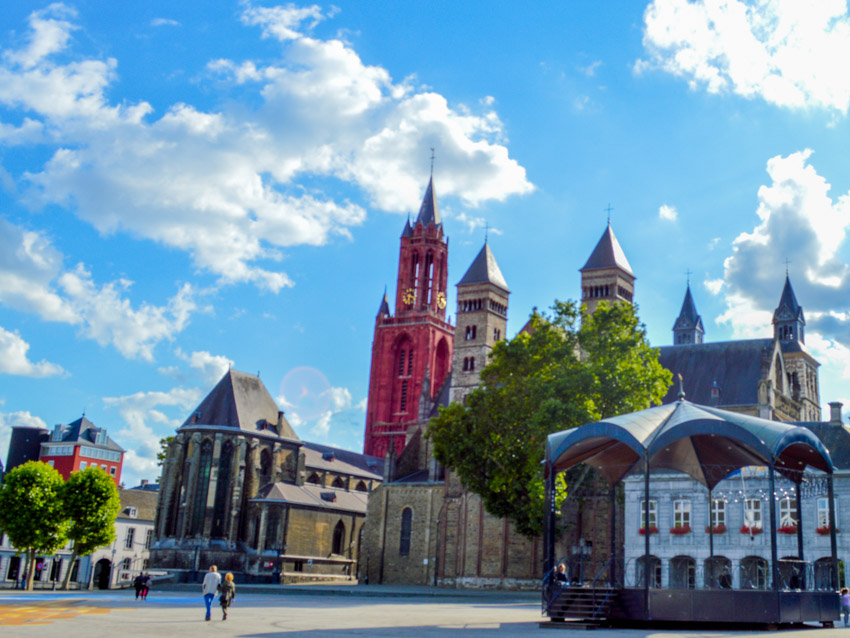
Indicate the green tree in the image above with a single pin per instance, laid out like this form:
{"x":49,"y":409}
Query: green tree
{"x":163,"y":450}
{"x":31,"y":511}
{"x":90,"y":502}
{"x":567,"y":369}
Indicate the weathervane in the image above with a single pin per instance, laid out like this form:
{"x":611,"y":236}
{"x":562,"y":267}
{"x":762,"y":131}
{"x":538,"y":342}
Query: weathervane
{"x":688,"y":274}
{"x":432,"y":161}
{"x":608,"y":210}
{"x":787,"y":261}
{"x":486,"y":231}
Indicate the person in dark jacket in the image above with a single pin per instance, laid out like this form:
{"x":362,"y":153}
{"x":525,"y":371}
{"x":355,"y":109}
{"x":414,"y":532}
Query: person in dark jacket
{"x":137,"y":585}
{"x":228,"y":594}
{"x":146,"y":585}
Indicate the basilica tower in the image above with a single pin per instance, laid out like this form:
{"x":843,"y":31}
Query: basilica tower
{"x":413,"y":347}
{"x":482,"y":318}
{"x":607,"y":275}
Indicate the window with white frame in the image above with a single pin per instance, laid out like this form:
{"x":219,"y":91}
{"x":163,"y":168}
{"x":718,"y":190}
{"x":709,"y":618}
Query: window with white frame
{"x":128,"y":541}
{"x":148,"y":538}
{"x":83,"y":465}
{"x":718,"y":512}
{"x":653,"y":514}
{"x":752,"y":513}
{"x":823,"y":512}
{"x":681,"y":513}
{"x":787,"y":513}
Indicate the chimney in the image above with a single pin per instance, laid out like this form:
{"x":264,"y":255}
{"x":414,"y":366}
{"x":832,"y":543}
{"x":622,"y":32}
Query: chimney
{"x":279,"y":419}
{"x":835,"y":412}
{"x":144,"y":482}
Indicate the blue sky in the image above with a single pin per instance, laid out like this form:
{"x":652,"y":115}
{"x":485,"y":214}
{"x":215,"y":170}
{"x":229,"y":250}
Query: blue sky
{"x":188,"y":186}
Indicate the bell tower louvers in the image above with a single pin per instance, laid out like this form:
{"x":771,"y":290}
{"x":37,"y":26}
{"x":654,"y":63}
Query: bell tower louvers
{"x":416,"y":342}
{"x":607,"y":275}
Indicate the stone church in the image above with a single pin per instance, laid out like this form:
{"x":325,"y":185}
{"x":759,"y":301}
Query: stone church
{"x":422,"y":526}
{"x":240,"y":490}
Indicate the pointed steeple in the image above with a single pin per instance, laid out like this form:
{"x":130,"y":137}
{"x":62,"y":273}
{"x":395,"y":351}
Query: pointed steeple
{"x":484,"y":270}
{"x":788,"y":319}
{"x":688,"y":327}
{"x":608,"y":254}
{"x":407,"y":231}
{"x":428,"y":212}
{"x":384,"y":309}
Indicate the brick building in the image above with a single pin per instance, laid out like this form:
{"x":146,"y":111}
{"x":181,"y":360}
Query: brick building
{"x":239,"y":489}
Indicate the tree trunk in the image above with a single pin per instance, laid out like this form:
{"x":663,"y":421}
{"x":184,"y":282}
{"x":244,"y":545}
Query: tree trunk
{"x":67,"y":578}
{"x":30,"y":569}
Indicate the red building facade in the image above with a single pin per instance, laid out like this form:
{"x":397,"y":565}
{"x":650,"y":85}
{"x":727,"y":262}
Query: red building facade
{"x":79,"y":445}
{"x":411,"y":351}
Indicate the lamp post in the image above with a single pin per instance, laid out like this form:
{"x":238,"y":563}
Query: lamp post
{"x":581,"y":553}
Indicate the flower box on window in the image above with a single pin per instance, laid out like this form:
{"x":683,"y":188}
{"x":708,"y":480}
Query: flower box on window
{"x":717,"y":529}
{"x":652,"y":530}
{"x":752,"y":531}
{"x":787,"y":529}
{"x":824,"y":531}
{"x":679,"y":530}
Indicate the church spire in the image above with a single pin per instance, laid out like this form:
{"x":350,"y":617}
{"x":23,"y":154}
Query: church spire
{"x":384,"y":309}
{"x":428,"y":212}
{"x":688,"y":327}
{"x":607,"y":275}
{"x":788,"y":319}
{"x":484,"y":270}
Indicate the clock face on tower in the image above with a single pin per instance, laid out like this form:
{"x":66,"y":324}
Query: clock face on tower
{"x":408,"y":297}
{"x":441,"y":300}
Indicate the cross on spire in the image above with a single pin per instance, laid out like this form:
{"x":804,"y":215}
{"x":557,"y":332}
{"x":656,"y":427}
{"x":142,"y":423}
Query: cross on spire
{"x":486,"y":231}
{"x":688,"y":274}
{"x":787,"y":261}
{"x":608,"y":210}
{"x":432,"y":161}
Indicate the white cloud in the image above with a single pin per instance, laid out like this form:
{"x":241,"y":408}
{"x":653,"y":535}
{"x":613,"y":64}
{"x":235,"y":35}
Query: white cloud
{"x":590,"y":69}
{"x":801,"y":222}
{"x":164,"y":22}
{"x":144,"y":425}
{"x":212,"y":367}
{"x":668,"y":213}
{"x":33,"y":279}
{"x":10,"y":419}
{"x":233,"y":187}
{"x":785,"y":52}
{"x":14,"y":359}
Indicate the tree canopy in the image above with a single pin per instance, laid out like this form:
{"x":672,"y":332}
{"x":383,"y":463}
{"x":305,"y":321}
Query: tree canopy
{"x":31,"y":512}
{"x":90,"y":502}
{"x":563,"y":371}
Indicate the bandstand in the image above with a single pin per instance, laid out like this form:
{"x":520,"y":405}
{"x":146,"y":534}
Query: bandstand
{"x":707,"y":444}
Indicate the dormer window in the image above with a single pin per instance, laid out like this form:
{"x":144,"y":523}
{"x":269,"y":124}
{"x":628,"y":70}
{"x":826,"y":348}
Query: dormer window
{"x":132,"y":512}
{"x":328,"y":456}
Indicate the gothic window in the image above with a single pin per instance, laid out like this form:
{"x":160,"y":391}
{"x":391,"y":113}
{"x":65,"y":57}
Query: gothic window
{"x":361,"y":487}
{"x":202,"y":485}
{"x":401,"y":363}
{"x":414,"y":273}
{"x":472,"y":363}
{"x":410,"y":362}
{"x":406,"y":525}
{"x":314,"y":479}
{"x":338,"y":483}
{"x":339,"y":539}
{"x":403,"y":405}
{"x":265,"y":465}
{"x":777,"y":376}
{"x":429,"y":274}
{"x":272,"y":524}
{"x":497,"y":334}
{"x":219,"y":527}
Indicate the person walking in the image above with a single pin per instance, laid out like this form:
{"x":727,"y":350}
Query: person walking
{"x":845,"y":605}
{"x":146,"y":585}
{"x":138,"y":584}
{"x":211,"y":582}
{"x":228,"y":594}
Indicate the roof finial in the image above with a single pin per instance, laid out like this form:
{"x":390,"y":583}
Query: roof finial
{"x":608,"y":210}
{"x":486,"y":231}
{"x":688,"y":274}
{"x":432,"y":161}
{"x":787,"y":261}
{"x":681,"y":388}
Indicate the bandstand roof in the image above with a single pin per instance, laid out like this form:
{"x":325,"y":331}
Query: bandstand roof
{"x":703,"y":442}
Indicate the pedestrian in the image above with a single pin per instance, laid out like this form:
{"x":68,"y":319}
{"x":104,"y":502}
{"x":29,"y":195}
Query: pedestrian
{"x":211,"y":582}
{"x":138,"y":583}
{"x":146,"y":585}
{"x":228,"y":594}
{"x":845,"y":605}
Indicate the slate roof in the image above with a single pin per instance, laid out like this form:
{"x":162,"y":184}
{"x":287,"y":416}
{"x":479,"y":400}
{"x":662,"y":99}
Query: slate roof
{"x":736,"y":366}
{"x":143,"y":500}
{"x":344,"y":461}
{"x":240,"y":401}
{"x":608,"y":254}
{"x":310,"y":495}
{"x":407,"y":231}
{"x":84,"y":431}
{"x":484,"y":270}
{"x":836,"y":439}
{"x":688,"y":315}
{"x":788,"y":300}
{"x":428,"y":212}
{"x":419,"y":476}
{"x":384,"y":309}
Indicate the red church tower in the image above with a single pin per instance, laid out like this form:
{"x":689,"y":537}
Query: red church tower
{"x":411,"y":351}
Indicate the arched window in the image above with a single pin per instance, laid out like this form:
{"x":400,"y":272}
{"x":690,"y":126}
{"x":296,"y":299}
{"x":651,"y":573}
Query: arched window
{"x":314,"y":479}
{"x":265,"y":465}
{"x":222,"y":490}
{"x":406,"y":525}
{"x":338,"y":483}
{"x":718,"y":573}
{"x":202,"y":485}
{"x":654,"y":571}
{"x":361,"y":487}
{"x":683,"y":572}
{"x":339,"y":539}
{"x":778,"y":374}
{"x":404,"y":366}
{"x":753,"y":573}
